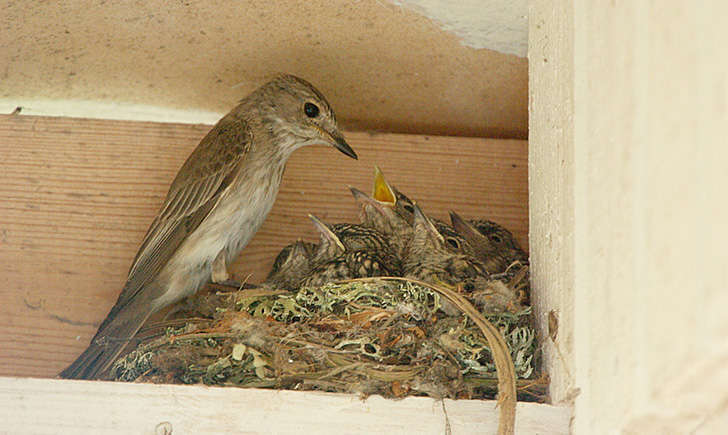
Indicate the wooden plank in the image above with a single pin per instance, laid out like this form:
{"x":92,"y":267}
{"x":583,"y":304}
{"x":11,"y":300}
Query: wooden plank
{"x":77,"y":195}
{"x":46,"y":406}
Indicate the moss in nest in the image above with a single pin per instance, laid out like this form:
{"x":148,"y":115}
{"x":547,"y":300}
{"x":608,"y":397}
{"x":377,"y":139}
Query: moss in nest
{"x":378,"y":337}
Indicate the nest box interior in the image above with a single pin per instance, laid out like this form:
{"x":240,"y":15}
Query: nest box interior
{"x":107,"y":101}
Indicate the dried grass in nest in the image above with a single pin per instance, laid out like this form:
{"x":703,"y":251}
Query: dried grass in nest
{"x":382,"y":336}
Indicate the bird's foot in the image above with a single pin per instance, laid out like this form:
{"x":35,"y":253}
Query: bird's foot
{"x":232,"y":285}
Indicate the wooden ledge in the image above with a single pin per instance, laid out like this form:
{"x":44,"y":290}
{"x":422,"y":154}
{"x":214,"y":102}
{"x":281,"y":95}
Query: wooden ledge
{"x":93,"y":407}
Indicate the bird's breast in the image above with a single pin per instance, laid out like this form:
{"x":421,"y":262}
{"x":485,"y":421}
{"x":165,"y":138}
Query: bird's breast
{"x":240,"y":212}
{"x":231,"y":224}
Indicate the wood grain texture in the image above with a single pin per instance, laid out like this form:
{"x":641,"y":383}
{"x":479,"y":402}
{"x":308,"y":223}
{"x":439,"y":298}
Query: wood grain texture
{"x":77,"y":195}
{"x":47,"y":406}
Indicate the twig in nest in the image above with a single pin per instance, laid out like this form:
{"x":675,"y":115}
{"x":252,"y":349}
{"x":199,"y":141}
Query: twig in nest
{"x":501,"y":355}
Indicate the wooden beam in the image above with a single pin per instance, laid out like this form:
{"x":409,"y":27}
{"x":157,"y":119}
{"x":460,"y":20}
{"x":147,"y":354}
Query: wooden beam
{"x":45,"y":406}
{"x":77,"y":195}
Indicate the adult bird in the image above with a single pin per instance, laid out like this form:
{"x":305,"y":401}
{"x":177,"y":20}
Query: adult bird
{"x":217,"y":201}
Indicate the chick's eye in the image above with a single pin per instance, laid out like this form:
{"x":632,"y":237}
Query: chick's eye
{"x":409,"y":208}
{"x":311,"y":110}
{"x":454,"y":243}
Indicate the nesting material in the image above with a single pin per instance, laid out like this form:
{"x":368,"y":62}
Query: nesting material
{"x":373,"y":336}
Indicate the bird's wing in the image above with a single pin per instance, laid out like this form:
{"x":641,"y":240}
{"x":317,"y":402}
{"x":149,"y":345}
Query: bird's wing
{"x":205,"y":175}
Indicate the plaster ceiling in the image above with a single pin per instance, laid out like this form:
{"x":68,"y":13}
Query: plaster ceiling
{"x":417,"y":66}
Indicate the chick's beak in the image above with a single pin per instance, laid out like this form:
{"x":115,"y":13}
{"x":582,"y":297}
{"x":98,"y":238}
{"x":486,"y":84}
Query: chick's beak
{"x":363,"y":198}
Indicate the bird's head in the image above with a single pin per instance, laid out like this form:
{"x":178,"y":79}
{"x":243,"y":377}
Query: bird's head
{"x":295,"y":110}
{"x":493,"y":244}
{"x":291,"y":266}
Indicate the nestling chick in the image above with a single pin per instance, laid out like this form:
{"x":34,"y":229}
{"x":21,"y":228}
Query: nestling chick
{"x":499,"y":251}
{"x":431,"y":261}
{"x":340,"y":237}
{"x":349,"y":251}
{"x":361,"y":263}
{"x":291,"y":266}
{"x":386,"y":219}
{"x":392,"y":213}
{"x":386,"y":210}
{"x":494,"y":245}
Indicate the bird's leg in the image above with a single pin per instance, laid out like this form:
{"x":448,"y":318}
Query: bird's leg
{"x":219,"y":269}
{"x":220,"y":274}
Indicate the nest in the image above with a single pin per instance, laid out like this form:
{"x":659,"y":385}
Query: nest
{"x":374,"y":336}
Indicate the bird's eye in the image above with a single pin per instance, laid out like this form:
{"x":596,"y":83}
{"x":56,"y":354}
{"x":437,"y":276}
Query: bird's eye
{"x":311,"y":110}
{"x":409,"y":208}
{"x":496,"y":238}
{"x":453,"y":242}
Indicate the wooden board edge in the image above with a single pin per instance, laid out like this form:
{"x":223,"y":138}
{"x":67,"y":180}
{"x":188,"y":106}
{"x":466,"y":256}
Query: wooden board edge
{"x":29,"y":405}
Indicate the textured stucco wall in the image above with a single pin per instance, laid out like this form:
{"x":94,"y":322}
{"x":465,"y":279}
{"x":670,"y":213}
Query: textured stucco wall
{"x":383,"y":66}
{"x":500,"y":25}
{"x":648,"y":165}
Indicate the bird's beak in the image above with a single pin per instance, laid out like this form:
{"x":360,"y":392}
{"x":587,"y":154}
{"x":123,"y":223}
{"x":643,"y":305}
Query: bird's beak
{"x":423,"y":221}
{"x":337,"y":141}
{"x":363,"y":198}
{"x":382,"y":191}
{"x":465,"y":228}
{"x":325,"y":232}
{"x":341,"y":145}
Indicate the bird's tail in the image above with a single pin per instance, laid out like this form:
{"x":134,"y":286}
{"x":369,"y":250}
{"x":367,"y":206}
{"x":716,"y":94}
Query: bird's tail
{"x":119,"y":327}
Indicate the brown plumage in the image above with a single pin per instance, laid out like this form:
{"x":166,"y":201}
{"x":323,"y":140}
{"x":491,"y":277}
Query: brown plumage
{"x":436,"y":251}
{"x":494,"y":245}
{"x":291,"y":266}
{"x":215,"y":204}
{"x":349,"y":251}
{"x":350,"y":237}
{"x":499,"y":251}
{"x":386,"y":219}
{"x":430,"y":260}
{"x":392,"y":213}
{"x":349,"y":265}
